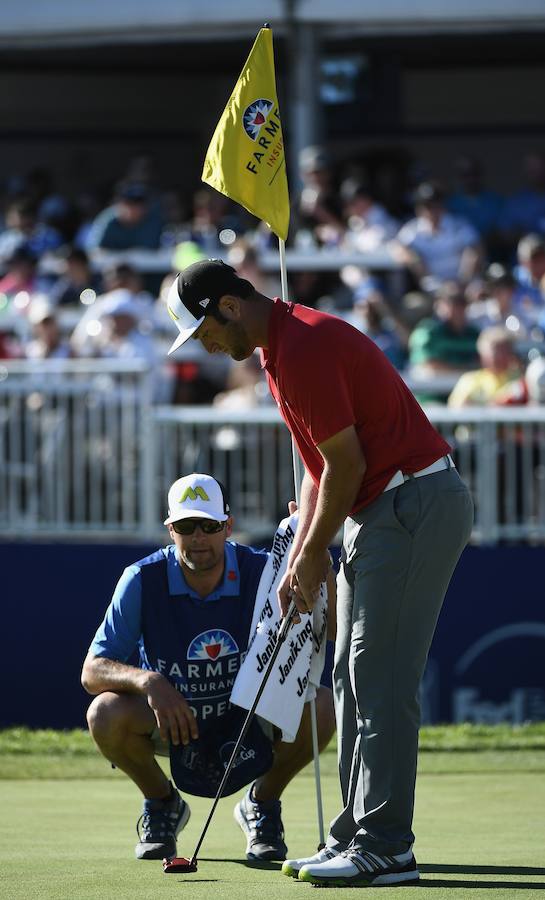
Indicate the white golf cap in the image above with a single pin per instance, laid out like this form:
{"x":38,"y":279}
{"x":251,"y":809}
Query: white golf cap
{"x":185,"y":321}
{"x":197,"y":290}
{"x":196,"y":497}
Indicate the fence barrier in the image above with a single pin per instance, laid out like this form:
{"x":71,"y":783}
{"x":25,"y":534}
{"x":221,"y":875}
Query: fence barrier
{"x":84,"y":452}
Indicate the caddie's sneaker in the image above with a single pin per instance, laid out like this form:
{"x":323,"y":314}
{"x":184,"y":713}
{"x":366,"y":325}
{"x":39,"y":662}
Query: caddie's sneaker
{"x":262,"y":825}
{"x":360,"y":868}
{"x":162,"y":821}
{"x":292,"y":866}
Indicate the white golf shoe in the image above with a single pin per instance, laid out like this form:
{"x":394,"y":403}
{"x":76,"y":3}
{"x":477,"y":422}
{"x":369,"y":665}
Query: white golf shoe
{"x":360,"y":868}
{"x":292,"y":867}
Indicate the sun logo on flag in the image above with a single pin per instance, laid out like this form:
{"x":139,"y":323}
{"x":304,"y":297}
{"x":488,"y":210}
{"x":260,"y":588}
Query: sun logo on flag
{"x":211,"y":645}
{"x":255,"y":115}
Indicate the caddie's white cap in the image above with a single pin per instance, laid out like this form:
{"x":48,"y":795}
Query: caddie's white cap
{"x":197,"y":497}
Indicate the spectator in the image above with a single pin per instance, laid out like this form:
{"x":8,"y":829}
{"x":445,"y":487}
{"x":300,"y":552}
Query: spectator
{"x":445,"y":344}
{"x":472,"y":201}
{"x":23,"y":229}
{"x":112,"y":328}
{"x":371,"y":318}
{"x":213,"y":214}
{"x":246,"y":386}
{"x":437,"y":246}
{"x":87,"y":206}
{"x":534,"y":378}
{"x":495,"y":303}
{"x":529,"y":299}
{"x":21,"y":275}
{"x":244,"y":258}
{"x":10,"y":342}
{"x":122,"y":275}
{"x":120,"y":335}
{"x":120,"y":282}
{"x":372,"y":315}
{"x":499,"y":367}
{"x":131,"y":222}
{"x":317,"y":214}
{"x":369,"y":225}
{"x":524,"y":212}
{"x":47,"y":341}
{"x":76,"y":278}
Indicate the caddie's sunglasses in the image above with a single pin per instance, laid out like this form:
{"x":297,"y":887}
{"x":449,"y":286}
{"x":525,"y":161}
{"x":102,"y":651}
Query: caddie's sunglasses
{"x":207,"y":526}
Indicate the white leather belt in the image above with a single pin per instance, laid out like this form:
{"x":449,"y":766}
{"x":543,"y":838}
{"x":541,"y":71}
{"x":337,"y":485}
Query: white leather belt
{"x":399,"y":478}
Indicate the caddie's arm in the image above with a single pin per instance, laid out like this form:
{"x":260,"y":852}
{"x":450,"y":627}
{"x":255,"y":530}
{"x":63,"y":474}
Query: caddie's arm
{"x":172,"y":712}
{"x":344,"y":468}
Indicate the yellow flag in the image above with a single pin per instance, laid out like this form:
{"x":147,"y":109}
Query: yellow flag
{"x":245,"y":159}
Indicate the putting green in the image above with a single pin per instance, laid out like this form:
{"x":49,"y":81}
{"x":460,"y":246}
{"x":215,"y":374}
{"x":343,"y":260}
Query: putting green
{"x":479,"y":835}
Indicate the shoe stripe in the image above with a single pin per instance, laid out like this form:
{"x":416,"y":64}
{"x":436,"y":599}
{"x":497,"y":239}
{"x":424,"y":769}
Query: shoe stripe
{"x":361,"y":863}
{"x":383,"y":862}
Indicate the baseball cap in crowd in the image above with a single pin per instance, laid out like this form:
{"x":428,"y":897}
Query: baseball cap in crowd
{"x":314,"y":159}
{"x":197,"y":290}
{"x":428,"y":193}
{"x":132,"y":191}
{"x":197,"y":496}
{"x":120,"y":302}
{"x":40,"y":309}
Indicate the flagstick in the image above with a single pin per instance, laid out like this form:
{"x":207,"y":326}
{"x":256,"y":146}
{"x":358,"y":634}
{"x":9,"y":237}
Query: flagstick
{"x":297,"y":478}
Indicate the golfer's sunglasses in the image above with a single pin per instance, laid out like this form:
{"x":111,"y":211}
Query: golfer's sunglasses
{"x":187,"y":526}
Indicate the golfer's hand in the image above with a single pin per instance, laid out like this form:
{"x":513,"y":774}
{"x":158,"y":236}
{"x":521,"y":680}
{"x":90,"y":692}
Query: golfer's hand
{"x":171,"y":710}
{"x":283,"y":591}
{"x":308,"y":572}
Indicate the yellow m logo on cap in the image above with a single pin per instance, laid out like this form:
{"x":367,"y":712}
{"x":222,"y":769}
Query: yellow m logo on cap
{"x":192,"y":494}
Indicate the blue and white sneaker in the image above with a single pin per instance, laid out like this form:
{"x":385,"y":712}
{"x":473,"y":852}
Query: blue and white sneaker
{"x":161,"y":821}
{"x":262,"y":825}
{"x":360,"y":868}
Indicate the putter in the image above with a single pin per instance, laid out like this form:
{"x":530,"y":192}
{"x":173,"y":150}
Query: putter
{"x":179,"y":864}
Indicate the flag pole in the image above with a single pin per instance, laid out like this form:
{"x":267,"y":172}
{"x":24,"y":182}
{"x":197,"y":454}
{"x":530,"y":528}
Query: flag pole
{"x":297,"y":479}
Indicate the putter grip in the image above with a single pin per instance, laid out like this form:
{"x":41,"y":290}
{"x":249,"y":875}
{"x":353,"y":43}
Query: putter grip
{"x":286,"y":621}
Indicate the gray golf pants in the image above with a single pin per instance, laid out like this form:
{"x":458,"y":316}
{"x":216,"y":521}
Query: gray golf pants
{"x":398,"y":556}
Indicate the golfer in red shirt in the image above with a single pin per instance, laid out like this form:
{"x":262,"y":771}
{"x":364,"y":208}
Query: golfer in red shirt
{"x":374,"y":462}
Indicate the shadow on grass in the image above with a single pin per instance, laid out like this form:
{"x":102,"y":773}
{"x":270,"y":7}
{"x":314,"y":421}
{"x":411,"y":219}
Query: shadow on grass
{"x":493,"y":885}
{"x":445,"y":868}
{"x":249,"y":863}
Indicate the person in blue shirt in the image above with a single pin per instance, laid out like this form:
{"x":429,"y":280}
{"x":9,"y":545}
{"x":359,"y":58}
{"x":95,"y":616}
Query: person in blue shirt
{"x":187,"y":611}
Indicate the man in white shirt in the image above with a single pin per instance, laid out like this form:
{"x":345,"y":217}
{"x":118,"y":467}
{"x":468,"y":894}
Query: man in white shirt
{"x":437,"y":246}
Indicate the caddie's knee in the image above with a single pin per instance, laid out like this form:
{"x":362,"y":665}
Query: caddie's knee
{"x":106,"y":717}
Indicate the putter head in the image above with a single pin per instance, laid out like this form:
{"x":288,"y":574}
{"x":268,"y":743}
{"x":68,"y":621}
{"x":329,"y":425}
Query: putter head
{"x":179,"y":865}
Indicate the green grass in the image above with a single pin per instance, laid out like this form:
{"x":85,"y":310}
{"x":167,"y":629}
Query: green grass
{"x":67,"y":829}
{"x":446,"y":748}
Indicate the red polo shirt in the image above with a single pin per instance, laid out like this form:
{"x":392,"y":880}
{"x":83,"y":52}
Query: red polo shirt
{"x":325,"y":376}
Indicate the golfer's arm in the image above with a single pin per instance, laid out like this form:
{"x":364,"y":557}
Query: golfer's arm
{"x":307,"y":505}
{"x":331,"y":587}
{"x":100,"y":674}
{"x":344,"y":468}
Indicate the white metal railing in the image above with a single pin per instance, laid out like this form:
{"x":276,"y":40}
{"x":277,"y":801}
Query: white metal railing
{"x":74,"y":447}
{"x":83,"y":452}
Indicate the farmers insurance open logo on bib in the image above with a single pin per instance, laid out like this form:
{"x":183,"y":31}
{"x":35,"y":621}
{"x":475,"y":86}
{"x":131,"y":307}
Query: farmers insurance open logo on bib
{"x":255,"y":116}
{"x":213,"y":662}
{"x":212,"y":644}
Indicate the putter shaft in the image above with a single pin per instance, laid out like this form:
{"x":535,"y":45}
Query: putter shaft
{"x":282,"y":632}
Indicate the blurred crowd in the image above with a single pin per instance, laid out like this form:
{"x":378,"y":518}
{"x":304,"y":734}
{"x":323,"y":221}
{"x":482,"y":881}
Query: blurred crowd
{"x":463,"y":318}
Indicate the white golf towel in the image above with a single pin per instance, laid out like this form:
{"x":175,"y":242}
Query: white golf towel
{"x":300,"y":662}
